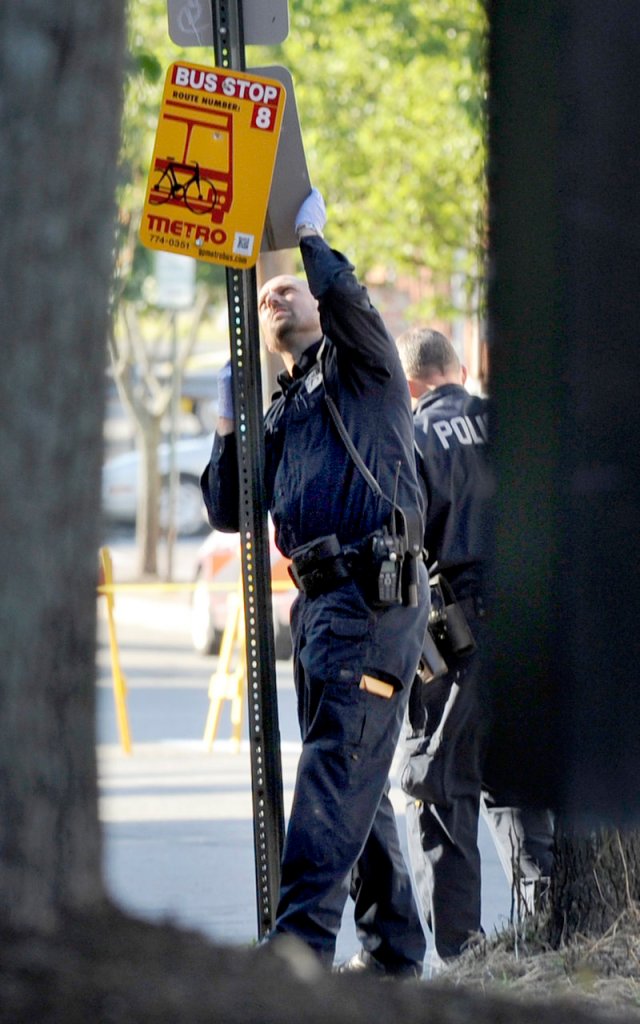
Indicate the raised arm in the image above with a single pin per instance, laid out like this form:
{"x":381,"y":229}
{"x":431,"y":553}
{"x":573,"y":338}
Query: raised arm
{"x":347,"y":315}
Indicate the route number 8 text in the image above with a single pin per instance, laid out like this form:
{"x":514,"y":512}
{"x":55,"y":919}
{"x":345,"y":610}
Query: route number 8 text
{"x":263,"y":118}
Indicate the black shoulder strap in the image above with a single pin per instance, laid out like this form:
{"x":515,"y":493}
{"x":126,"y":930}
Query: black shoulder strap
{"x":356,"y":458}
{"x":414,"y":527}
{"x":351,"y":448}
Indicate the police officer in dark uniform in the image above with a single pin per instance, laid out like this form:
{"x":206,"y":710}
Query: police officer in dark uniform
{"x":442,"y":769}
{"x":342,"y":491}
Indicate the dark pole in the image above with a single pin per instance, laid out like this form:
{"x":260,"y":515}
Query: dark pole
{"x":563,"y":325}
{"x":527,"y":348}
{"x":264,"y":733}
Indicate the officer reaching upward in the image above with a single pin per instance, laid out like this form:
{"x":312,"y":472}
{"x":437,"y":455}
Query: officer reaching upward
{"x":442,"y":770}
{"x":342,"y":491}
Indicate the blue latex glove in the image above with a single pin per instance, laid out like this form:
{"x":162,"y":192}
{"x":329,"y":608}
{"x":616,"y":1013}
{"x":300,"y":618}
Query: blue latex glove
{"x":312,"y":211}
{"x":225,"y":392}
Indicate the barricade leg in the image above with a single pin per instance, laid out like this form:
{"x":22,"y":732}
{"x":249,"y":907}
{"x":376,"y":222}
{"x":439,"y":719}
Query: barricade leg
{"x":228,"y":683}
{"x":119,"y":681}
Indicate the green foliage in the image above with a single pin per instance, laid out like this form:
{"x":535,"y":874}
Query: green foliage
{"x":151,"y":51}
{"x":391,"y":102}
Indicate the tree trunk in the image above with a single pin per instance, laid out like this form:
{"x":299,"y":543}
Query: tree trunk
{"x":148,"y":512}
{"x":596,"y":878}
{"x":147,"y":400}
{"x":60,"y":82}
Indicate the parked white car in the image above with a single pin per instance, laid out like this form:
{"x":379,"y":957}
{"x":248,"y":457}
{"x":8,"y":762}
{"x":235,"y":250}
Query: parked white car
{"x":121,"y":480}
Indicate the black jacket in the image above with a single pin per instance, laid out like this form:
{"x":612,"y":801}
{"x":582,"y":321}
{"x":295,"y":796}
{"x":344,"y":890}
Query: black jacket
{"x":313,"y":487}
{"x":452,"y":438}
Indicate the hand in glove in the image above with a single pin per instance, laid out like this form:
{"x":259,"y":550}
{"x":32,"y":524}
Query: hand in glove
{"x":225,"y":392}
{"x":312,"y":214}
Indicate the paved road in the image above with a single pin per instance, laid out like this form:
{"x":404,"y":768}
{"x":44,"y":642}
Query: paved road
{"x":177,"y":819}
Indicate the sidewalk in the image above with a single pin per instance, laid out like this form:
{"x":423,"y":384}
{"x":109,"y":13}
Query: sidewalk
{"x":179,"y":833}
{"x":177,"y":819}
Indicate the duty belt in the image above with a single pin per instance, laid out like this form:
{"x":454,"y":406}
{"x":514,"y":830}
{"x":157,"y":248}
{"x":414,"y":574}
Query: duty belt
{"x":384,"y":568}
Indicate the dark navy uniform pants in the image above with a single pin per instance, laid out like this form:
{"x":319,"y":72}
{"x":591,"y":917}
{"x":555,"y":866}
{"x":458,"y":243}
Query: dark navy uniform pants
{"x":442,"y":773}
{"x":340,"y":800}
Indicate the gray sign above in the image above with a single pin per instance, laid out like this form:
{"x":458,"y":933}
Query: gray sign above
{"x":265,"y":22}
{"x":290,"y":183}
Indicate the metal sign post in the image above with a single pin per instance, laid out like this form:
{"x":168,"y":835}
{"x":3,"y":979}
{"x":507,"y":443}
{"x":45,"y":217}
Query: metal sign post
{"x":264,"y":734}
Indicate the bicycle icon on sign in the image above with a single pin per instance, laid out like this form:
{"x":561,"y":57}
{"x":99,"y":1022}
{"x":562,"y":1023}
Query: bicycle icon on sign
{"x":183,"y":184}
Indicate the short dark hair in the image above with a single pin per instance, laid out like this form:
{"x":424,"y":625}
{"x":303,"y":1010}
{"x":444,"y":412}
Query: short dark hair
{"x":422,"y":351}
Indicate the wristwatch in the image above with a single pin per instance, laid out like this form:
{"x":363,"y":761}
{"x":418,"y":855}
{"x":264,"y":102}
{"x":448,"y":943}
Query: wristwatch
{"x":307,"y":227}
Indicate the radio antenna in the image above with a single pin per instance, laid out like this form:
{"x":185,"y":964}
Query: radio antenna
{"x":394,"y":503}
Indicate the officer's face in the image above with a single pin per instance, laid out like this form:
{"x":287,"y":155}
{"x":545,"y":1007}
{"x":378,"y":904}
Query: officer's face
{"x":288,"y":313}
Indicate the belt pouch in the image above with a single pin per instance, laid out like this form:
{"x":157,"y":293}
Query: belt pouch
{"x":319,"y":567}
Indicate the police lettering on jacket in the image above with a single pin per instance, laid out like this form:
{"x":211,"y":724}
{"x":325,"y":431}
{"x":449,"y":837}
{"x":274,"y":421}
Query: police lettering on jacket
{"x":463,"y":429}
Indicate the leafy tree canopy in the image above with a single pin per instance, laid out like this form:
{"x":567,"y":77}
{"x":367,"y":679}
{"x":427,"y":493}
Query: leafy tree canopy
{"x":391,"y":103}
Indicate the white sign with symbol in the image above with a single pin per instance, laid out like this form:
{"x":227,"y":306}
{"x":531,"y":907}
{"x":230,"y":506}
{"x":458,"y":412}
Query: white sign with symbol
{"x":265,"y":22}
{"x":175,"y":280}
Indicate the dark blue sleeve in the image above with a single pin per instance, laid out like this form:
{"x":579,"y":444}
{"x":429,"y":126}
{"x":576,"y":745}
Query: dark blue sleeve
{"x":322,"y":264}
{"x":346,"y":312}
{"x":220,"y":486}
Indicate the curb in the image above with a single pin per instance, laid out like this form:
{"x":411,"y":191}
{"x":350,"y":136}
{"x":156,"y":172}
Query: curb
{"x":163,"y":612}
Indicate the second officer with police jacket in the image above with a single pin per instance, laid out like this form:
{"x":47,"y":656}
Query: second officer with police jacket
{"x":444,"y":769}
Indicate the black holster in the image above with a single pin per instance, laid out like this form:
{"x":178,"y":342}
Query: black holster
{"x":432,"y":665}
{"x":447,"y":621}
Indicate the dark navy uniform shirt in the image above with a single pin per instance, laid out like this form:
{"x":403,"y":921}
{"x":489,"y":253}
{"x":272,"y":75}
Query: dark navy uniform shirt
{"x":452,"y":437}
{"x":313,"y":487}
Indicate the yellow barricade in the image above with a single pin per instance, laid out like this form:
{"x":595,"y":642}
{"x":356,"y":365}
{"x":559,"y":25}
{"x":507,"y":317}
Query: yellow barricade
{"x":119,"y":682}
{"x":228,"y":680}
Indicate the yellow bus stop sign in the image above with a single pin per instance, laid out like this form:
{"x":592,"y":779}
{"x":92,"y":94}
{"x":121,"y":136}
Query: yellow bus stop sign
{"x":212,"y":164}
